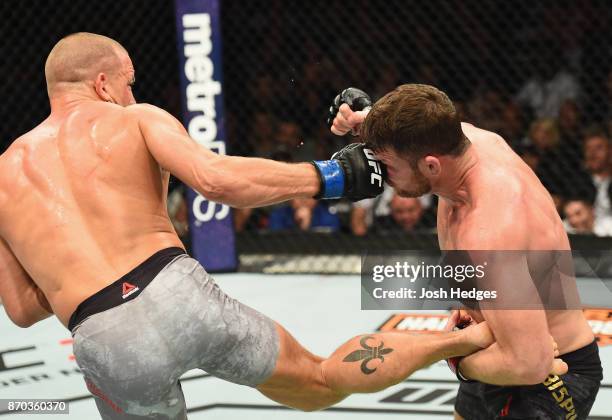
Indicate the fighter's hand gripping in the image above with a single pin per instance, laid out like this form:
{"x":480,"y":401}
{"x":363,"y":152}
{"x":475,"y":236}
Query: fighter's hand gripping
{"x":348,"y":111}
{"x":353,"y":172}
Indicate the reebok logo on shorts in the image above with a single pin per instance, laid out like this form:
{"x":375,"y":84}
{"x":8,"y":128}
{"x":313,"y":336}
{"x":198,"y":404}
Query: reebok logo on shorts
{"x":128,"y":289}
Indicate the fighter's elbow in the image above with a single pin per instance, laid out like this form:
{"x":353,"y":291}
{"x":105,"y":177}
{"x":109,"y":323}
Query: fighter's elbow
{"x":212,"y":192}
{"x":224,"y":192}
{"x":539,"y":376}
{"x":533,"y":376}
{"x":533,"y":366}
{"x":226,"y":196}
{"x":210,"y":186}
{"x":217,"y":185}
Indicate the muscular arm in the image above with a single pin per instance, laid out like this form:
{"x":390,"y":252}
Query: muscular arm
{"x":231,"y":180}
{"x":521,"y":356}
{"x":523,"y":352}
{"x":24,"y":302}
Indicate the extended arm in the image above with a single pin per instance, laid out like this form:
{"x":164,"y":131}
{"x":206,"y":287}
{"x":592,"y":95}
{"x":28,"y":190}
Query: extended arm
{"x":232,"y":180}
{"x":353,"y":172}
{"x":22,"y":299}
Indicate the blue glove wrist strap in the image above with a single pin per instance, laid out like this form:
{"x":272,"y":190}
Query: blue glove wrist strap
{"x":332,"y":178}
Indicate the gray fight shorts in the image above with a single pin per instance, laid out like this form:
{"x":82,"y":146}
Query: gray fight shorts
{"x":136,"y":337}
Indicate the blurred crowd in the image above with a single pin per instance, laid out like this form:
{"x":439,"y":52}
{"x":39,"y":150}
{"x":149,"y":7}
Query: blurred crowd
{"x":543,"y":122}
{"x":539,"y":74}
{"x":544,"y":119}
{"x":539,"y":77}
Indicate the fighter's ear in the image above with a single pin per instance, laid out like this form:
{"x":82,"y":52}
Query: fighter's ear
{"x":430,"y":166}
{"x":101,"y":87}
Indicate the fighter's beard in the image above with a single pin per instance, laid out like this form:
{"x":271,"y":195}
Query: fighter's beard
{"x":419,"y":187}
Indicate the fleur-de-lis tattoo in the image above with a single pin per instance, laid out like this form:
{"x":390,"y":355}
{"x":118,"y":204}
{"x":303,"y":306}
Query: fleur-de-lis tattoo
{"x":370,"y":353}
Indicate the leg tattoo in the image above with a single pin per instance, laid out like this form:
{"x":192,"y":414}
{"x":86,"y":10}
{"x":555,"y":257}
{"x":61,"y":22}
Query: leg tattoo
{"x":370,"y":353}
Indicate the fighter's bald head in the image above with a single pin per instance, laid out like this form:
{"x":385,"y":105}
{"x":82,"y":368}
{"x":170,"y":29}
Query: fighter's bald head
{"x":79,"y":58}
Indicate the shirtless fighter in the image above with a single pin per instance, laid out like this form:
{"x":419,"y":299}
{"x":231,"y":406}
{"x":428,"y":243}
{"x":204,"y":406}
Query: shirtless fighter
{"x":489,"y":199}
{"x":84,"y":234}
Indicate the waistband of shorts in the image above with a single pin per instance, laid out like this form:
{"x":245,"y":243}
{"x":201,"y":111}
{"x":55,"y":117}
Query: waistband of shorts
{"x":126,"y":288}
{"x":585,"y":361}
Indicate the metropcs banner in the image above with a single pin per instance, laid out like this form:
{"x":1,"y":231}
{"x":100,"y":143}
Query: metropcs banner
{"x":199,"y":51}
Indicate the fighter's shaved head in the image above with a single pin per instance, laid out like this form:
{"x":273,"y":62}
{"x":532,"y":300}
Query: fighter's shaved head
{"x":80,"y":57}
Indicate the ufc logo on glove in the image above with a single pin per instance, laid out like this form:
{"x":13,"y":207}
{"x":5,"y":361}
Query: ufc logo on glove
{"x":353,"y":172}
{"x":374,"y":163}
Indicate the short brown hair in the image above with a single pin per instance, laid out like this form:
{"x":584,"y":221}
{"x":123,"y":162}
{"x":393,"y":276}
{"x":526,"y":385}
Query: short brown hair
{"x":415,"y":120}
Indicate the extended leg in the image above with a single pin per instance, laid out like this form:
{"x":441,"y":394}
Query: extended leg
{"x":363,"y":364}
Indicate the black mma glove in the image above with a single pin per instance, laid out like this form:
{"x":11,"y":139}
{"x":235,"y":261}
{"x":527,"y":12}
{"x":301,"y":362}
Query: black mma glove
{"x":355,"y":98}
{"x":353,"y":172}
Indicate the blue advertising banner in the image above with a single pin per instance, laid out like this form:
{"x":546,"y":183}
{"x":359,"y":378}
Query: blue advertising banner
{"x":199,"y":50}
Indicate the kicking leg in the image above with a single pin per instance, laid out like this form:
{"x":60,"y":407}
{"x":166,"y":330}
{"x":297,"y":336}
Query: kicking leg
{"x":366,"y":363}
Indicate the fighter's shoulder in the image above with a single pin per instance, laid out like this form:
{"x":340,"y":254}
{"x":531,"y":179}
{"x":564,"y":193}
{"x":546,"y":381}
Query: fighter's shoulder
{"x":146,"y":112}
{"x":475,"y":133}
{"x":494,"y":226}
{"x":13,"y":154}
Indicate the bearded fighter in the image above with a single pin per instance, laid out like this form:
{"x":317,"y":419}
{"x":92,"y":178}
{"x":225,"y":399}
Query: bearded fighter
{"x":490,"y":200}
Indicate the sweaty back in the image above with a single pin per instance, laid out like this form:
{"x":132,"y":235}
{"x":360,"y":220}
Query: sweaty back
{"x":85,"y":202}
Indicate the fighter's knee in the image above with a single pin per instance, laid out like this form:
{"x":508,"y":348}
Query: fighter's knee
{"x":301,"y":384}
{"x":325,"y":379}
{"x":322,"y":373}
{"x":316,"y":398}
{"x":319,"y":395}
{"x":309,"y":408}
{"x":333,"y":394}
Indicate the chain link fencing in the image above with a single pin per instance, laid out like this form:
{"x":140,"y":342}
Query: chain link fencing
{"x":537,"y":73}
{"x":31,"y":27}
